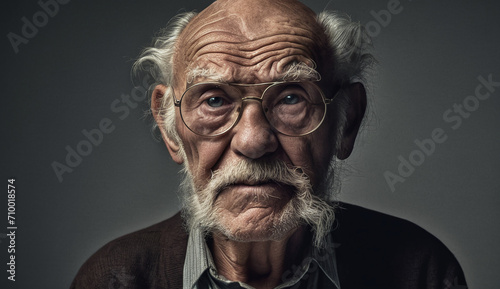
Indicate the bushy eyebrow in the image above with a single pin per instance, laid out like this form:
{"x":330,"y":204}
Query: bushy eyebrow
{"x":296,"y":71}
{"x":299,"y":71}
{"x":207,"y":74}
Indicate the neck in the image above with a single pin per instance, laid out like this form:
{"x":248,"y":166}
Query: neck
{"x":259,"y":264}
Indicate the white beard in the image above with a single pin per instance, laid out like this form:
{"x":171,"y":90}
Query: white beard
{"x":304,"y":207}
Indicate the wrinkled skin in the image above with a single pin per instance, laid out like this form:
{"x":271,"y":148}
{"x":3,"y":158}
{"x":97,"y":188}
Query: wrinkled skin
{"x":252,"y":42}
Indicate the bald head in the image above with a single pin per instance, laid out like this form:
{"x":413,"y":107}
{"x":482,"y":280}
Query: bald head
{"x":249,"y":41}
{"x":253,"y":18}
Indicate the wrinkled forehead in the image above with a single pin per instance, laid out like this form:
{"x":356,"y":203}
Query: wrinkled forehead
{"x":248,"y":41}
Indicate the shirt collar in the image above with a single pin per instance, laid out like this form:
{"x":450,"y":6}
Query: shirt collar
{"x":199,"y":259}
{"x":323,"y":259}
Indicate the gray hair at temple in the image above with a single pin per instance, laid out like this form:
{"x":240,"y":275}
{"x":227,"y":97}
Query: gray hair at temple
{"x":349,"y":46}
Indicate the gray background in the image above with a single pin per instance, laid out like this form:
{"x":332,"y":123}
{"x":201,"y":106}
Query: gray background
{"x":66,"y":77}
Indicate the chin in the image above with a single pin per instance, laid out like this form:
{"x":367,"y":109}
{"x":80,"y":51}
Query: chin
{"x":257,"y":226}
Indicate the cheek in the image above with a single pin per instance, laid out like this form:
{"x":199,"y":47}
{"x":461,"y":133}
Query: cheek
{"x":202,"y":154}
{"x":327,"y":138}
{"x":327,"y":135}
{"x":189,"y":143}
{"x":313,"y":153}
{"x":324,"y":149}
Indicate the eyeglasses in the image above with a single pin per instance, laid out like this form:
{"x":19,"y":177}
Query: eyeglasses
{"x":291,"y":108}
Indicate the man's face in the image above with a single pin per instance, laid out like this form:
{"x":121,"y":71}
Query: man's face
{"x":252,"y":43}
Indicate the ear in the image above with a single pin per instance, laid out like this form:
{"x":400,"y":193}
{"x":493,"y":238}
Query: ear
{"x":354,"y":115}
{"x":156,"y":101}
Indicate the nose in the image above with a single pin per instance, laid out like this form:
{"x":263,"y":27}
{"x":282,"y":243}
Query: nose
{"x":253,"y":136}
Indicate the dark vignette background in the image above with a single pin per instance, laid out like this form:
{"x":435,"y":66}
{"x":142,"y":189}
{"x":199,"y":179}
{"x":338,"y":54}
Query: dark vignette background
{"x":65,"y":78}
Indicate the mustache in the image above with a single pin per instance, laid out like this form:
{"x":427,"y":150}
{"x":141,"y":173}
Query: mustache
{"x":255,"y":172}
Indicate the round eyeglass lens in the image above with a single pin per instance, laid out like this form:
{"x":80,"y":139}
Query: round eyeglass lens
{"x":295,"y":108}
{"x":210,"y":109}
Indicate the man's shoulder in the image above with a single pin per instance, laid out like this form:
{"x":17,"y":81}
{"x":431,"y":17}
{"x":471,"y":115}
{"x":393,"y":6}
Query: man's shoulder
{"x":354,"y":221}
{"x":361,"y":227}
{"x":142,"y":259}
{"x":390,"y":251}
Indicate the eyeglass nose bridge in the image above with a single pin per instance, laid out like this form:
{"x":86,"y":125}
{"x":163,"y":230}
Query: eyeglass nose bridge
{"x":240,"y":109}
{"x":259,"y":99}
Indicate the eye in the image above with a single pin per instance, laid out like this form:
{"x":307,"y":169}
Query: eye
{"x":291,"y":99}
{"x":213,"y":97}
{"x":215,"y":101}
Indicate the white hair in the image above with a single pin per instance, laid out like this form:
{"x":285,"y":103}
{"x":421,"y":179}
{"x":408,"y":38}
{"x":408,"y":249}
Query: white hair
{"x":350,"y":45}
{"x":157,"y":62}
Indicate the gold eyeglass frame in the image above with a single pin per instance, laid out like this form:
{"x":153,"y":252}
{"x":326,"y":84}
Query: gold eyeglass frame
{"x":326,"y":101}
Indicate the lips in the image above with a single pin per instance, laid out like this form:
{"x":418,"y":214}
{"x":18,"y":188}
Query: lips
{"x":253,"y":183}
{"x":257,"y":186}
{"x":246,"y":195}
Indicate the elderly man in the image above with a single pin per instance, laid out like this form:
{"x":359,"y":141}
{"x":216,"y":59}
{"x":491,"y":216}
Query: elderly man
{"x":259,"y":100}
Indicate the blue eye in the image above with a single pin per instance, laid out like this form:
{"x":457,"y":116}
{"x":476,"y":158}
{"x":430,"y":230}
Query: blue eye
{"x":215,"y":101}
{"x":291,"y":99}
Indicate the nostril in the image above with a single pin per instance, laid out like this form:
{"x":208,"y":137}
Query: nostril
{"x":254,"y":141}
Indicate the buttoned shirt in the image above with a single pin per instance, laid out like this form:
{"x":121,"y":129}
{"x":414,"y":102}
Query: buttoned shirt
{"x":317,"y":270}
